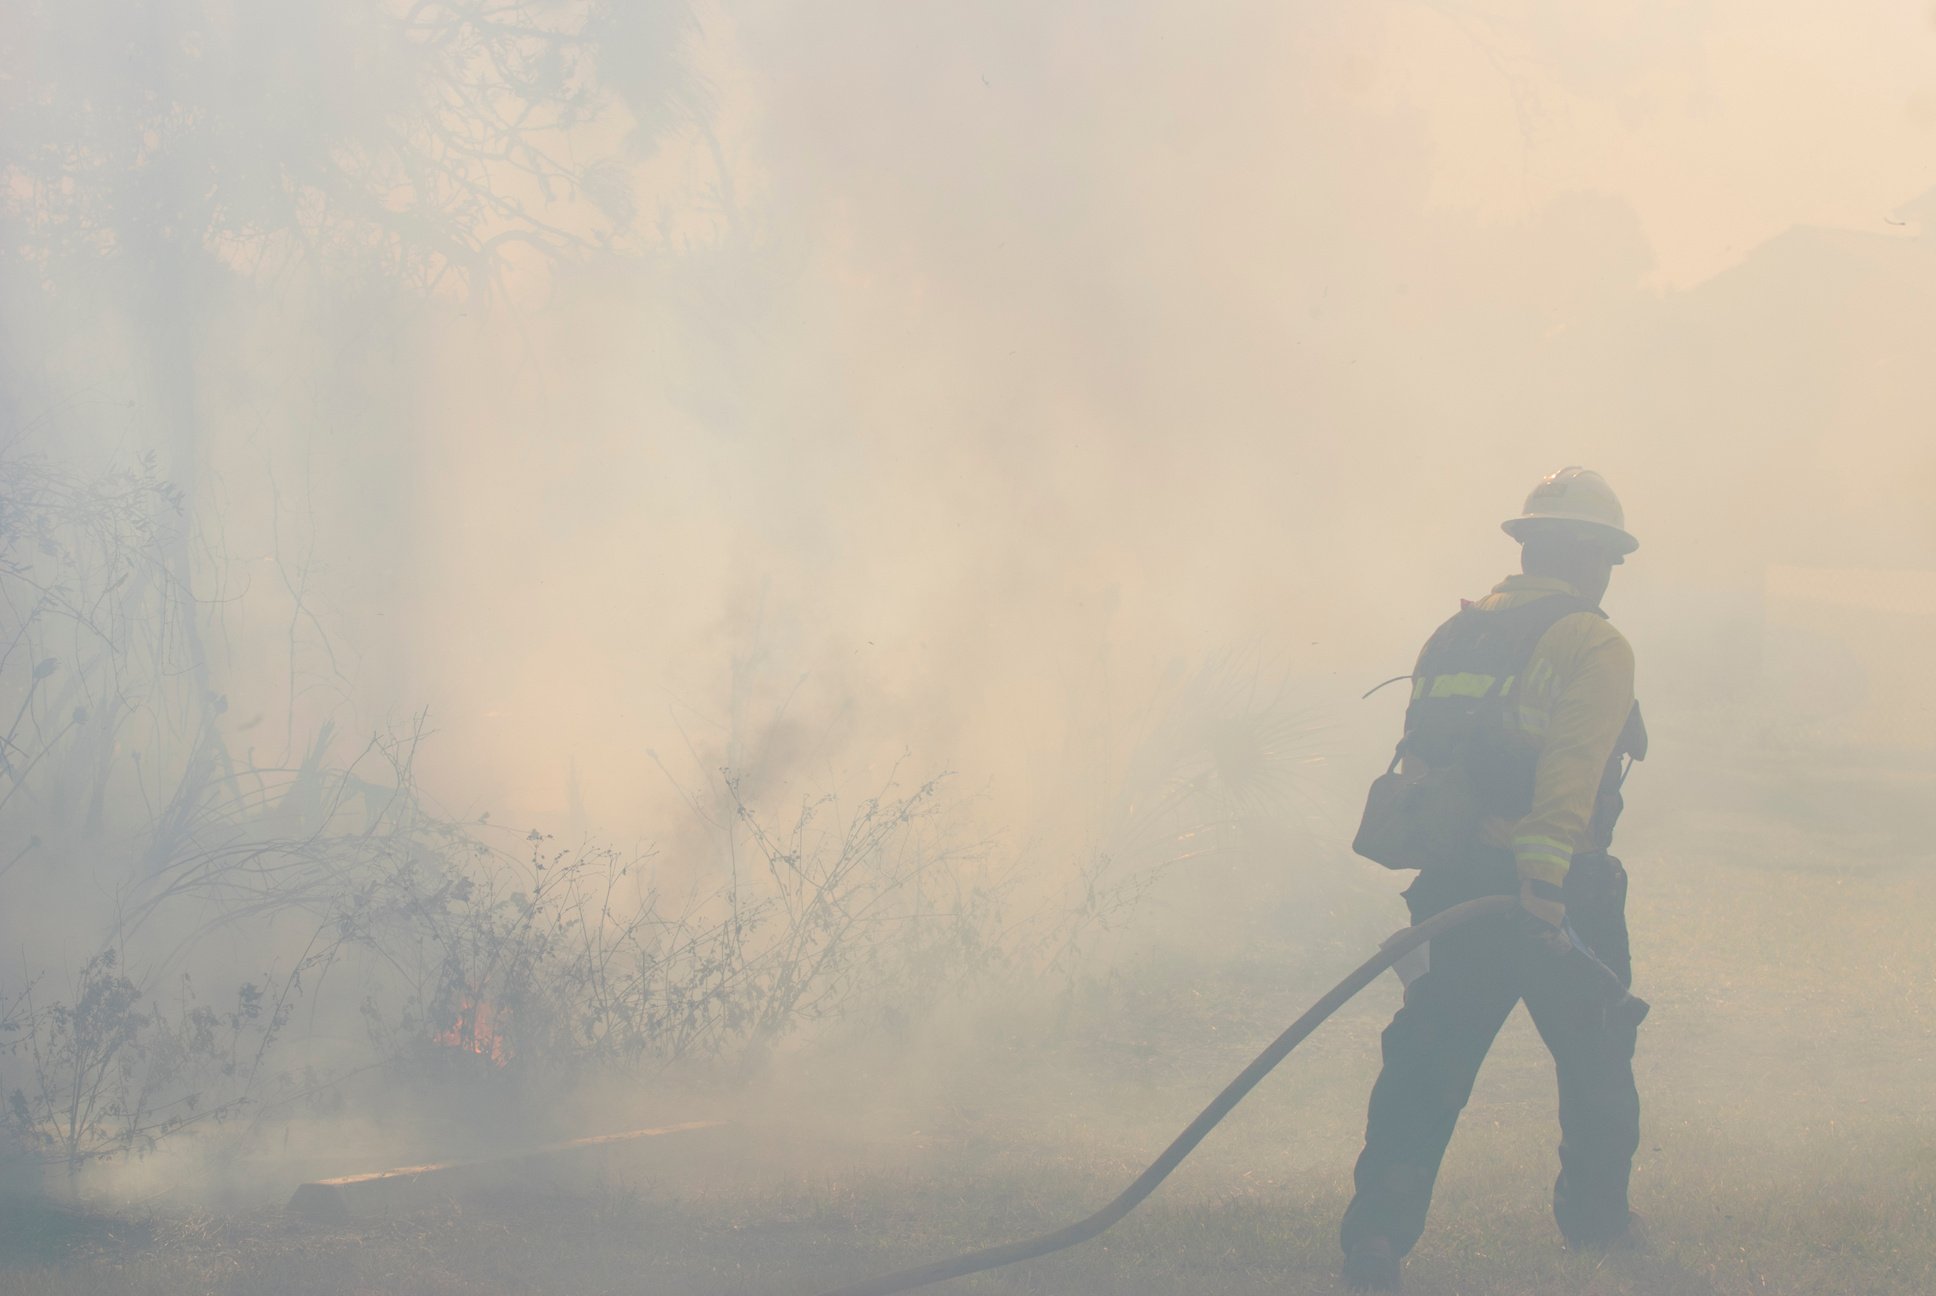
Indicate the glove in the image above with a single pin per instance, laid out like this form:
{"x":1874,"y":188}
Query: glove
{"x":1587,"y":990}
{"x":1543,"y":901}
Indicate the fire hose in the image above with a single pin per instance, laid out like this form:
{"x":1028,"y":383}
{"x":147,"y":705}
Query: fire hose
{"x":1395,"y":948}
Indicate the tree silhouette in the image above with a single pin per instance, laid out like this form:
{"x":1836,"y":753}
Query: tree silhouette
{"x":431,"y":142}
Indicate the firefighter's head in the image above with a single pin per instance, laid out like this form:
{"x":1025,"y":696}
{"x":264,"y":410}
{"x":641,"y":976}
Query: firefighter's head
{"x":1573,"y":529}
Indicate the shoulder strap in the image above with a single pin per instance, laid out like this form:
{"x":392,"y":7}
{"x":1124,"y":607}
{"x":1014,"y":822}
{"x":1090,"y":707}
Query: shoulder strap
{"x":1471,"y":662}
{"x":1479,"y":651}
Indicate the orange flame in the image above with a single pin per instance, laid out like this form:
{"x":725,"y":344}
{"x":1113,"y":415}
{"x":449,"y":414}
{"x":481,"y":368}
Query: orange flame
{"x":477,"y":1030}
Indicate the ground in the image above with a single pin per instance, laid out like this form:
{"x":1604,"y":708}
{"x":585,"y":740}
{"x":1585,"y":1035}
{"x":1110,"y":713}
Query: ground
{"x":1789,"y":1138}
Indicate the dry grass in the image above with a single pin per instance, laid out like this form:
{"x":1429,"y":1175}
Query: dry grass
{"x":1790,"y":1139}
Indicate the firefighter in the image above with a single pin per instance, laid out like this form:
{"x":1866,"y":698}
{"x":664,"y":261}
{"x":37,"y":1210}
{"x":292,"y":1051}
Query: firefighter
{"x":1527,"y":698}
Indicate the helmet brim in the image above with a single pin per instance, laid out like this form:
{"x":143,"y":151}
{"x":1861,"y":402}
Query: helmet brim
{"x":1614,"y":540}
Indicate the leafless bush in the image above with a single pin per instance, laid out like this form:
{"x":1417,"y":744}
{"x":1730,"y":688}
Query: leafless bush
{"x":111,"y":1071}
{"x":141,"y":826}
{"x":578,"y":958}
{"x":95,"y":653}
{"x":117,"y":794}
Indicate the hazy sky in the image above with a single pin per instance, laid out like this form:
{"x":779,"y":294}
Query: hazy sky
{"x":1721,"y":122}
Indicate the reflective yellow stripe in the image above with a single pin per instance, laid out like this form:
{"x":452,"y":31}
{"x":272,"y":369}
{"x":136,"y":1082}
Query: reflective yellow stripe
{"x":1542,"y":858}
{"x":1464,"y":684}
{"x":1543,"y":868}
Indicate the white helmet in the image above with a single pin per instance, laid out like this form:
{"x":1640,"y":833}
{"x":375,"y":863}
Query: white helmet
{"x":1576,"y":501}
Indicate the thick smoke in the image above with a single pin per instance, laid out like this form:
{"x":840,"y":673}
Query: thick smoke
{"x":1092,"y":401}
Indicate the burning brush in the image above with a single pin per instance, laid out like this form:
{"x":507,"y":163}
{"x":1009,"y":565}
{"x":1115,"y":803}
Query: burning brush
{"x":478,"y":1027}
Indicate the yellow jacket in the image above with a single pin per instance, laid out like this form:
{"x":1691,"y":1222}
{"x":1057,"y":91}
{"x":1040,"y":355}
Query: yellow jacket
{"x":1573,"y":701}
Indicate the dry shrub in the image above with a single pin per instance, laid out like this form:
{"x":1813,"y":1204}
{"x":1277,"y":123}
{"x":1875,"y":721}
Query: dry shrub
{"x":152,"y":851}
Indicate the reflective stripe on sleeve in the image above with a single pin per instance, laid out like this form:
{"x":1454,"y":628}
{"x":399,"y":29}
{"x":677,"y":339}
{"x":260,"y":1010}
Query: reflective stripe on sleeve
{"x":1544,"y":859}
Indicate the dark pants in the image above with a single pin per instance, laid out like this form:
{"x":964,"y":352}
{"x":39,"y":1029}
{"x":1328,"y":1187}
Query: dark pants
{"x":1435,"y":1043}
